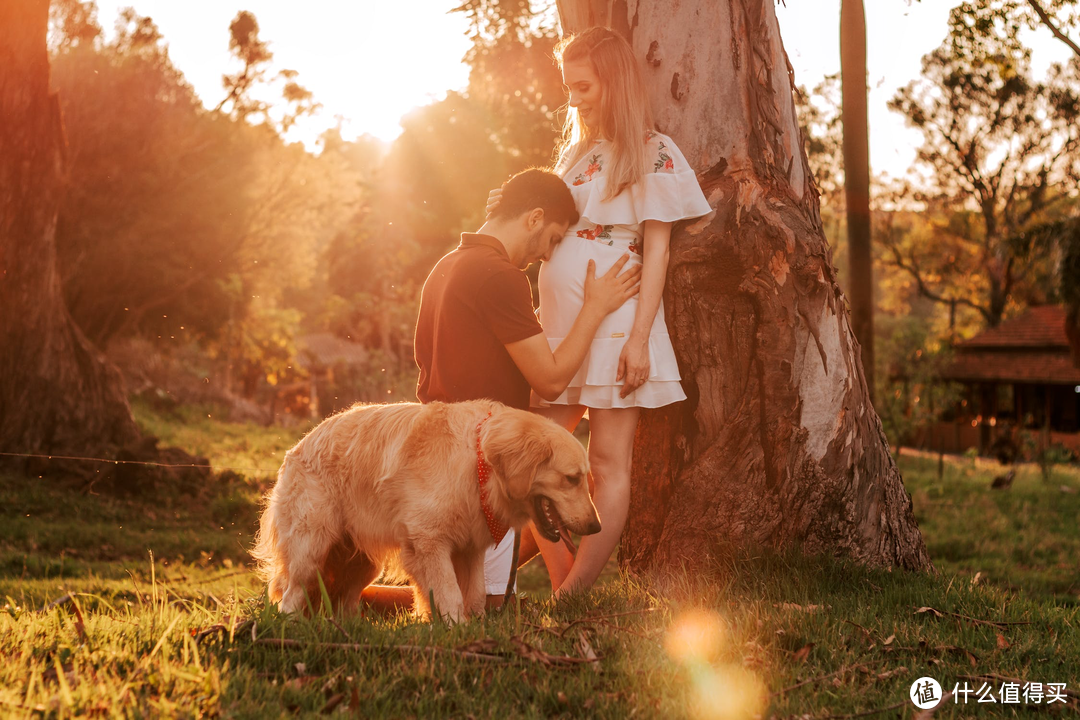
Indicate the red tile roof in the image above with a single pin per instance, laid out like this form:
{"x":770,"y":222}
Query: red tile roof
{"x":1037,"y":327}
{"x":1044,"y":367}
{"x":1029,"y":348}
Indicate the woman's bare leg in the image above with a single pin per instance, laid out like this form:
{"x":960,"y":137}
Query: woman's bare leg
{"x":557,"y":557}
{"x":387,"y":599}
{"x":611,"y":447}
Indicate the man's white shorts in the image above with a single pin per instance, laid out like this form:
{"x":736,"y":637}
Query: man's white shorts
{"x":497,"y":562}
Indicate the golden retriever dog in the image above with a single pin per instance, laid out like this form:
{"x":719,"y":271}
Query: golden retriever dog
{"x":397,"y":484}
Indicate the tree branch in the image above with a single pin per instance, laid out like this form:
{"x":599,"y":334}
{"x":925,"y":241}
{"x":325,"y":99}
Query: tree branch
{"x":1048,"y":22}
{"x":924,"y":289}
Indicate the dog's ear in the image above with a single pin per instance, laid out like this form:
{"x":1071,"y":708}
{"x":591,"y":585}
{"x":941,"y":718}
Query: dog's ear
{"x":516,"y":447}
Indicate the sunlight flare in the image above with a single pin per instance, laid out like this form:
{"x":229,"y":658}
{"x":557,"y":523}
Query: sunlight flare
{"x":696,"y":636}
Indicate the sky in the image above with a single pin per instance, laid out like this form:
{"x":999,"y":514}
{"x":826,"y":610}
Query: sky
{"x":370,"y":61}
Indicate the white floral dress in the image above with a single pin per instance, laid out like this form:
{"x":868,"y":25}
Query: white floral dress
{"x":668,"y":191}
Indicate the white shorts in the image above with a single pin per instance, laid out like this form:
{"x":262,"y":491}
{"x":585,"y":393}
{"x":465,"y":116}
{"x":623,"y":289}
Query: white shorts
{"x":497,"y":561}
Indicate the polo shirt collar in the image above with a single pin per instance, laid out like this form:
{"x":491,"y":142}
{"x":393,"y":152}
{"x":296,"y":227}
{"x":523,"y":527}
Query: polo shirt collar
{"x":489,"y":240}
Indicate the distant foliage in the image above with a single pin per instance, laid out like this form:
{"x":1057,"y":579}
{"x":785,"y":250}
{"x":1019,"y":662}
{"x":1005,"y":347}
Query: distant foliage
{"x":823,"y":139}
{"x":182,"y":223}
{"x":514,"y":77}
{"x":1002,"y":148}
{"x":910,"y":395}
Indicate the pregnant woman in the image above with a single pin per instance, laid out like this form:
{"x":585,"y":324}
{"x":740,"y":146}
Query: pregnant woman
{"x":630,"y":185}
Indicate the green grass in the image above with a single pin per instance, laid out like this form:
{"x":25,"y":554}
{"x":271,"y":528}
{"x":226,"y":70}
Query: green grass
{"x":187,"y":633}
{"x":1025,"y":538}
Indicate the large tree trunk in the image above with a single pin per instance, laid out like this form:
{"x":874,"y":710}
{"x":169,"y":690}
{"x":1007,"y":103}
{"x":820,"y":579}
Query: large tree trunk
{"x":58,"y":396}
{"x":778,"y":443}
{"x":857,"y":179}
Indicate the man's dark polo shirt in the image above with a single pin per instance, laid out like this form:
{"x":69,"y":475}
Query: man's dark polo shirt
{"x":474,"y":302}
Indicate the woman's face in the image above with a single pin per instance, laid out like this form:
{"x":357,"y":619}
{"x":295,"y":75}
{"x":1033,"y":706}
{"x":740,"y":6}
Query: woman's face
{"x":583,"y":87}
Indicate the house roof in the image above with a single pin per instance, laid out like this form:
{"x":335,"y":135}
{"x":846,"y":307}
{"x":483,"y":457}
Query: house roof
{"x":1042,"y":326}
{"x":1043,"y":367}
{"x":1029,"y":348}
{"x":327,"y":349}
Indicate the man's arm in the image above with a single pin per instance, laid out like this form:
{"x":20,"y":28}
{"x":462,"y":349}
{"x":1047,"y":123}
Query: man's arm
{"x":550,"y":372}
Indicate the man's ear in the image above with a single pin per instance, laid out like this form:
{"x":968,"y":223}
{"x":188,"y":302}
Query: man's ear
{"x":535,"y":219}
{"x":516,"y":450}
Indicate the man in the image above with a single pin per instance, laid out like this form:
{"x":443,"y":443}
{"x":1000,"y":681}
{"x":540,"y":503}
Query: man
{"x":477,"y":335}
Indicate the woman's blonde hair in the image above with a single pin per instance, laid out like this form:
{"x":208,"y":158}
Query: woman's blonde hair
{"x":625,"y":113}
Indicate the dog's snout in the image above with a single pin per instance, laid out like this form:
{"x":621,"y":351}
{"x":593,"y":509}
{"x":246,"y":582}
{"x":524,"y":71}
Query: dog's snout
{"x":592,"y":528}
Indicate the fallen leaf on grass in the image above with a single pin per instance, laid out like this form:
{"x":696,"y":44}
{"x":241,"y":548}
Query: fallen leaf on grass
{"x":796,"y":606}
{"x":1002,"y":643}
{"x":528,"y":652}
{"x":484,"y":646}
{"x":932,"y":611}
{"x":802,"y":653}
{"x":963,"y":651}
{"x":889,"y":640}
{"x":889,"y":674}
{"x":332,"y":703}
{"x":301,"y":668}
{"x":80,"y":624}
{"x":587,"y":651}
{"x":561,"y":697}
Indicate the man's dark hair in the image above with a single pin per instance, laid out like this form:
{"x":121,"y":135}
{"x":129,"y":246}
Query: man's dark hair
{"x":537,"y":188}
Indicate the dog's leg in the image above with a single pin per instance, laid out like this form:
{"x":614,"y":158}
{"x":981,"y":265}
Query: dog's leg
{"x":306,"y":522}
{"x":349,"y":571}
{"x":429,"y":565}
{"x":469,"y":567}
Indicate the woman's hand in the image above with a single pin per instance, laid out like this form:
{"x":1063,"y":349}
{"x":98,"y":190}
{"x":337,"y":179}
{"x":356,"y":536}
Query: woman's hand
{"x":633,"y":365}
{"x":493,"y":200}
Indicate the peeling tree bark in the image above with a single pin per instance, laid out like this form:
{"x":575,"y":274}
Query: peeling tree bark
{"x":778,"y":444}
{"x":58,"y":395}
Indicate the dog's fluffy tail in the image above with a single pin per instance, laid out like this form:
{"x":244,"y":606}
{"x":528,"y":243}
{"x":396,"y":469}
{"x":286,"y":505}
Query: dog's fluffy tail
{"x":270,"y":563}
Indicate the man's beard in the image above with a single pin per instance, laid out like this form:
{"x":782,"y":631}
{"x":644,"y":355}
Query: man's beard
{"x":532,"y":248}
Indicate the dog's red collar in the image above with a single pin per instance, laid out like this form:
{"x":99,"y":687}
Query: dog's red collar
{"x":483,"y":473}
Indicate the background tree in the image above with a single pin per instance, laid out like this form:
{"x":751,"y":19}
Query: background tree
{"x":72,"y":23}
{"x":998,"y":144}
{"x":857,"y":179}
{"x":183,"y":225}
{"x":514,"y":78}
{"x":1060,"y":17}
{"x":243,"y":87}
{"x":57,"y":394}
{"x":156,"y":191}
{"x":778,"y":443}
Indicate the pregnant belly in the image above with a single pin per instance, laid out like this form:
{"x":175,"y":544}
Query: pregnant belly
{"x":562,"y":284}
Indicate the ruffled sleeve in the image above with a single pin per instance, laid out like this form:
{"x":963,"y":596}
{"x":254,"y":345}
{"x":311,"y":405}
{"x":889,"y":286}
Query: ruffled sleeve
{"x":668,"y":191}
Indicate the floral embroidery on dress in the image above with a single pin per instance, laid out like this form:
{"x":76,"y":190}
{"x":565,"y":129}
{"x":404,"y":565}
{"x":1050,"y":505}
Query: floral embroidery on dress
{"x":665,"y":162}
{"x":600,"y":233}
{"x":596,"y":163}
{"x":635,"y":247}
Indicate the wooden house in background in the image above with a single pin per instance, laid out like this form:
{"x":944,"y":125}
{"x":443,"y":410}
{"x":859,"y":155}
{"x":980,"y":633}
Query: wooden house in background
{"x":323,"y":355}
{"x":1018,"y":376}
